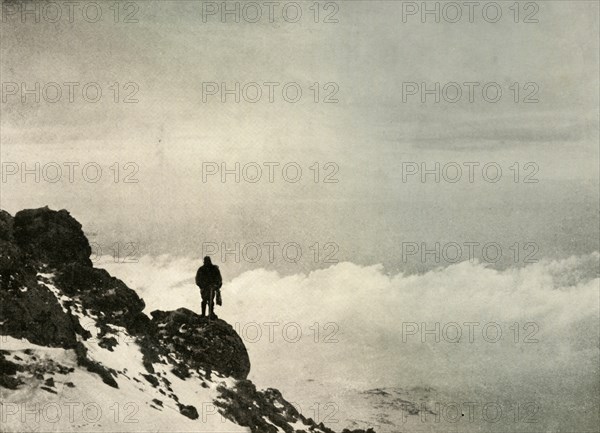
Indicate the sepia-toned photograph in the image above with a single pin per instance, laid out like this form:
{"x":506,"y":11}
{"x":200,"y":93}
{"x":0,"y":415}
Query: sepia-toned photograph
{"x":308,"y":216}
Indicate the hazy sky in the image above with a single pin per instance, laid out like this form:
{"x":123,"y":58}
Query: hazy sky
{"x":368,"y":134}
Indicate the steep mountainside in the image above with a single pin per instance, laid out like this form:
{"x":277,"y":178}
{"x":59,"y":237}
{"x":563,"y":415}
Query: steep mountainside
{"x":78,"y":353}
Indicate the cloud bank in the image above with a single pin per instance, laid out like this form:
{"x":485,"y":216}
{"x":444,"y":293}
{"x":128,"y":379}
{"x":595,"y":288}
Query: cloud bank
{"x":356,"y":326}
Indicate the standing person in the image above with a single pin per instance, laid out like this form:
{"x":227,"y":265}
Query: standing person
{"x":208,"y":279}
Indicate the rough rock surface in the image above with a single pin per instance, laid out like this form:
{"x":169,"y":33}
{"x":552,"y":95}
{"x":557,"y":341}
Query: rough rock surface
{"x":28,"y":309}
{"x":212,"y":345}
{"x":51,"y":237}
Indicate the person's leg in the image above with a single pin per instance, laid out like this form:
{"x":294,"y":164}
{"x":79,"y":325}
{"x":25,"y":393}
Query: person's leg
{"x":204,"y":296}
{"x":211,"y":303}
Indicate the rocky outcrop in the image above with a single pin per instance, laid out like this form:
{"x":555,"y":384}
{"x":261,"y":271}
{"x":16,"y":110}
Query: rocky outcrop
{"x":10,"y":254}
{"x":103,"y":295}
{"x":50,"y":237}
{"x":266,"y":411}
{"x":35,"y":314}
{"x":211,"y":345}
{"x":28,"y":309}
{"x":262,"y":411}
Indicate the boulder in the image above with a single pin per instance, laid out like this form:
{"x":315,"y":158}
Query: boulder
{"x":211,"y":345}
{"x":51,"y":237}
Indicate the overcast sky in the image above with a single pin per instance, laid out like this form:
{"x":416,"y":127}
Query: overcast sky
{"x":368,"y":134}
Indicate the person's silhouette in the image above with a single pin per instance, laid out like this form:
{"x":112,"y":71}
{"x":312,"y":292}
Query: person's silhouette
{"x":208,"y":279}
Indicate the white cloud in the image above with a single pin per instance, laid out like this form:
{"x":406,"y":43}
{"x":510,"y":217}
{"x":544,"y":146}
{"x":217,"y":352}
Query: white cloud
{"x":364,"y":311}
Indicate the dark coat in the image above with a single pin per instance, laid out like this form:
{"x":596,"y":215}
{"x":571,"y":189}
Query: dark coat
{"x":207,"y":276}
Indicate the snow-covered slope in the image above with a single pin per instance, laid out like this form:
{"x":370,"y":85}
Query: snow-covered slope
{"x":57,"y":395}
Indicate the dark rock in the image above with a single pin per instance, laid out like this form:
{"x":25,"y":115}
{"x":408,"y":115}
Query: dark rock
{"x":61,"y":369}
{"x":369,"y":430}
{"x":182,"y":371}
{"x":8,"y":370}
{"x":202,"y":344}
{"x":261,"y":411}
{"x":106,"y":296}
{"x":9,"y":382}
{"x":108,"y":343}
{"x":7,"y":367}
{"x":27,"y":308}
{"x":265,"y":411}
{"x":190,"y":411}
{"x":6,"y":226}
{"x":45,"y":388}
{"x":51,"y":237}
{"x":10,"y":253}
{"x":152,"y":380}
{"x":94,"y":367}
{"x":35,"y":314}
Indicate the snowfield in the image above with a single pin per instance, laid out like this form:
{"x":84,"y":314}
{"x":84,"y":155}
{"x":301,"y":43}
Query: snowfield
{"x":80,"y":401}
